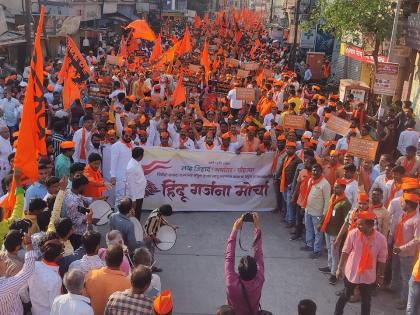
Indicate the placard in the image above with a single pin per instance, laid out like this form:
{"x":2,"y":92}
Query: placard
{"x":338,"y":125}
{"x":194,"y":68}
{"x":112,"y":60}
{"x":220,"y":86}
{"x":100,"y":90}
{"x":233,"y":62}
{"x":386,"y":77}
{"x":294,"y":122}
{"x":242,"y":73}
{"x":250,"y":66}
{"x":245,"y":94}
{"x":190,"y":80}
{"x":364,"y":149}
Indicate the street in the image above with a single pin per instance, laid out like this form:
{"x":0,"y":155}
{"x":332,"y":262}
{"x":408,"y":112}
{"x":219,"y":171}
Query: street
{"x":194,"y":268}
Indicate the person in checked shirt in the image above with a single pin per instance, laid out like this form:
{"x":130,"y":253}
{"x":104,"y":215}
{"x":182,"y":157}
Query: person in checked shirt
{"x":132,"y":301}
{"x":10,"y":286}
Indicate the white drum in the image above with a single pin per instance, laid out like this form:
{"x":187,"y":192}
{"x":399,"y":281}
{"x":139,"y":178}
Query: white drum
{"x":167,"y":236}
{"x":101,"y":212}
{"x":138,"y":229}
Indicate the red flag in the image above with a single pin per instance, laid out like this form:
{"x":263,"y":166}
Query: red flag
{"x":205,"y":60}
{"x":157,"y":50}
{"x":74,"y":73}
{"x":31,"y":141}
{"x":197,"y":21}
{"x":142,"y":30}
{"x":185,"y":46}
{"x":180,"y":92}
{"x":123,"y":48}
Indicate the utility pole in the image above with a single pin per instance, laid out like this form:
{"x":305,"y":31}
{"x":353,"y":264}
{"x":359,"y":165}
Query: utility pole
{"x":28,"y":19}
{"x":293,"y":52}
{"x":271,"y":11}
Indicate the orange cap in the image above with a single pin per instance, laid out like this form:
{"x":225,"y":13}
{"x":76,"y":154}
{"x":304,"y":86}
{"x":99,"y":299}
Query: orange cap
{"x":67,"y":145}
{"x":248,"y":119}
{"x":267,"y":135}
{"x":50,"y":88}
{"x":281,"y":138}
{"x":226,"y":135}
{"x":363,"y":197}
{"x":88,"y":106}
{"x":111,"y":132}
{"x":128,"y":131}
{"x":341,"y":181}
{"x":163,"y":303}
{"x":327,"y":115}
{"x":366,"y":215}
{"x":164,"y":134}
{"x":333,"y":153}
{"x":142,"y":119}
{"x":225,"y":109}
{"x":251,"y":128}
{"x":15,"y":134}
{"x":291,"y":144}
{"x":409,"y":183}
{"x":142,"y":132}
{"x":411,"y":197}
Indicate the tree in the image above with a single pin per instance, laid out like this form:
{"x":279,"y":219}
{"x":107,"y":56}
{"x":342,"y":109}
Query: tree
{"x":364,"y":22}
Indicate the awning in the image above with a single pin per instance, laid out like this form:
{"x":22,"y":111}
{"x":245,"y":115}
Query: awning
{"x":11,"y":38}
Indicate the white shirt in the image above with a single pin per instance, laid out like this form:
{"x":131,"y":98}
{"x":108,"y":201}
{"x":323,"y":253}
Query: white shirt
{"x":327,"y":134}
{"x":135,"y":180}
{"x":234,"y":103}
{"x":342,"y":144}
{"x":44,"y":287}
{"x":269,"y":117}
{"x":278,"y":97}
{"x":5,"y":149}
{"x":380,"y":183}
{"x":77,"y":139}
{"x":10,"y":110}
{"x":71,"y":304}
{"x":106,"y":161}
{"x":351,"y":192}
{"x":407,"y":138}
{"x":188,"y":145}
{"x":120,"y":156}
{"x":307,"y":75}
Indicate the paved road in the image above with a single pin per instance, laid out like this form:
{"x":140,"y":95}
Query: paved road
{"x":194,"y":269}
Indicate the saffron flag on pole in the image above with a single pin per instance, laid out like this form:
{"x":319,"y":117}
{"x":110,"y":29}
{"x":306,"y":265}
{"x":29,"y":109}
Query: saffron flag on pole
{"x":31,"y":142}
{"x":74,"y":73}
{"x":205,"y":60}
{"x":142,"y":30}
{"x":185,"y":46}
{"x":157,"y":50}
{"x":123,"y":48}
{"x":197,"y":21}
{"x":180,"y":92}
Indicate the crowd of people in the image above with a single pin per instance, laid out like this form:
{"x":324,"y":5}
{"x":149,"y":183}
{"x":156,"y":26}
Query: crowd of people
{"x":364,"y":212}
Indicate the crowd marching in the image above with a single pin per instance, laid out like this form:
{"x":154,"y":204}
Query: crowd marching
{"x":364,"y":212}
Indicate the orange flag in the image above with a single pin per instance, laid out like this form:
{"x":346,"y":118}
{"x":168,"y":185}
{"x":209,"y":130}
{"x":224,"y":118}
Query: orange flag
{"x":31,"y":141}
{"x":216,"y":64}
{"x":157,"y":50}
{"x":205,"y":60}
{"x":197,"y":21}
{"x":74,"y":73}
{"x":169,"y":55}
{"x":185,"y":46}
{"x":180,"y":92}
{"x":254,"y":48}
{"x":123,"y":48}
{"x":259,"y":78}
{"x":238,"y":36}
{"x":206,"y":19}
{"x":142,"y":30}
{"x":132,"y":44}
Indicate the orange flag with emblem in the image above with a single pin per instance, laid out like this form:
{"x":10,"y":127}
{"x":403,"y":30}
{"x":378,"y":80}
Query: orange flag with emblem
{"x":180,"y":92}
{"x":205,"y":60}
{"x":74,"y":73}
{"x":31,"y":142}
{"x":157,"y":50}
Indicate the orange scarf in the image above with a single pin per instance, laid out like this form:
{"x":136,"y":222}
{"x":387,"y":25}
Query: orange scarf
{"x":408,"y":165}
{"x":399,"y":235}
{"x":286,"y":163}
{"x":353,"y":224}
{"x":311,"y":183}
{"x":83,"y":144}
{"x":366,"y":260}
{"x":333,"y":201}
{"x":394,"y":189}
{"x":276,"y":160}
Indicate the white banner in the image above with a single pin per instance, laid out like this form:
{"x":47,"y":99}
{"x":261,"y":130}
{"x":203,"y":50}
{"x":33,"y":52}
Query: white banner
{"x":208,"y":181}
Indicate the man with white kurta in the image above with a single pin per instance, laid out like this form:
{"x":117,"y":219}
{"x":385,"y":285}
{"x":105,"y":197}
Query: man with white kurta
{"x":120,"y":156}
{"x":136,"y":181}
{"x":81,"y":138}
